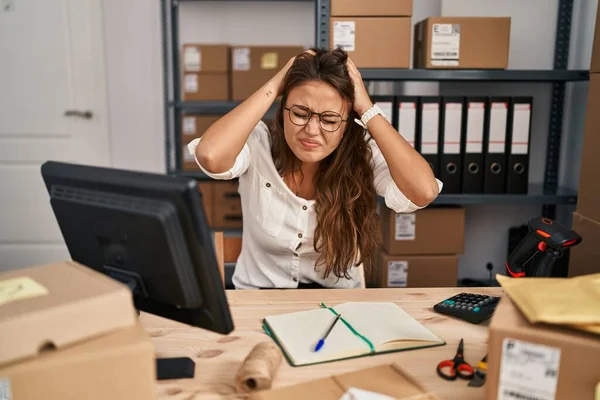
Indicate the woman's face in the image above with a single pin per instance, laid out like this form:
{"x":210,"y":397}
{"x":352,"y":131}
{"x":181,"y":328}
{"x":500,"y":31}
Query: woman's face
{"x":313,"y":139}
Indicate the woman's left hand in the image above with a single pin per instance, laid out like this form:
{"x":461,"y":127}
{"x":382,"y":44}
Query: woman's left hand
{"x":362,"y":101}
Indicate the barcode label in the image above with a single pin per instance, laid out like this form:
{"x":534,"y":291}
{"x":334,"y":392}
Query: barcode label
{"x":344,"y":35}
{"x":445,"y":44}
{"x":5,"y":391}
{"x":405,"y":227}
{"x":397,"y":273}
{"x":528,"y":371}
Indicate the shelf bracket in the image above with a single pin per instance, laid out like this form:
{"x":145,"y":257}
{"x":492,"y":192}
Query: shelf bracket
{"x":323,"y":12}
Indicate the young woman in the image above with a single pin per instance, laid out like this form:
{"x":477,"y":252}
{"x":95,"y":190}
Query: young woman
{"x":308,"y":184}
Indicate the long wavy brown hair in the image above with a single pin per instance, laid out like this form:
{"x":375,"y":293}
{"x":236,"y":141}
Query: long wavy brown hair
{"x":347,"y":232}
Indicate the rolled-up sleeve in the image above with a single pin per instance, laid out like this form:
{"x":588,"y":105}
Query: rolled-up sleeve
{"x":242,"y":162}
{"x":387,"y":188}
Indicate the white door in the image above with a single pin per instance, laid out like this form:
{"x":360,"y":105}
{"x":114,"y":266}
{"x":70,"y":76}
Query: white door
{"x":51,"y":74}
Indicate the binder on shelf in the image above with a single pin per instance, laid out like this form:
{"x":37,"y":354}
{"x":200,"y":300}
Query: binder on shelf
{"x":451,"y":124}
{"x":494,"y":178}
{"x":429,"y":131}
{"x":408,"y":107}
{"x":387,"y":105}
{"x":476,"y":116}
{"x":517,"y":173}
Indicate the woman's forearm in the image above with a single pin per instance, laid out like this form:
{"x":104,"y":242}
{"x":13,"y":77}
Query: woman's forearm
{"x":224,"y":140}
{"x":410,"y":172}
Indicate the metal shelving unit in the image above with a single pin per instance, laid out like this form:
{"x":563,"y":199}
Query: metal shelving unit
{"x":547,"y":194}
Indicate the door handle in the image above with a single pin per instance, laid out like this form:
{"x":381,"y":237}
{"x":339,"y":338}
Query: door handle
{"x":82,"y":114}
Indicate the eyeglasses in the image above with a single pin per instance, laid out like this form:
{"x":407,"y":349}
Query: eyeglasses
{"x":329,"y":121}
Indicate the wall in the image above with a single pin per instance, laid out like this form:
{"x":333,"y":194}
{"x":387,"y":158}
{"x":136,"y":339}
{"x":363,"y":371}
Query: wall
{"x":134,"y":83}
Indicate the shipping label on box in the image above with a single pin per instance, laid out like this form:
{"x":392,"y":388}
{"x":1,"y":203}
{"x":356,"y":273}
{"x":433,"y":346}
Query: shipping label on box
{"x":397,"y":273}
{"x":189,"y":126}
{"x":528,"y":370}
{"x":192,"y":59}
{"x":344,"y":35}
{"x":405,"y":226}
{"x":241,"y":59}
{"x":445,"y":44}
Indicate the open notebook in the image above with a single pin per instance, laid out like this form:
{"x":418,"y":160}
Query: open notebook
{"x":365,"y":328}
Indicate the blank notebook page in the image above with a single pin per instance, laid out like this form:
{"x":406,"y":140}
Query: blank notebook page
{"x":384,"y":322}
{"x":299,"y":332}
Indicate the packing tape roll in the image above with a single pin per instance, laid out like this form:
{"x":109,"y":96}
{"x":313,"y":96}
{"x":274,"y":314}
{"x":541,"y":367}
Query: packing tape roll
{"x":259,"y":368}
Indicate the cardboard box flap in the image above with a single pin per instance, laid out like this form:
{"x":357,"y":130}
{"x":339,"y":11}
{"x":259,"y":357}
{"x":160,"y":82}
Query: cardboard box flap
{"x":388,"y":380}
{"x":47,"y":299}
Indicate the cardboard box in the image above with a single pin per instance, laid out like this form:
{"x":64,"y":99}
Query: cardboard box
{"x":38,"y":303}
{"x":118,"y":365}
{"x":253,"y":66}
{"x":417,"y":271}
{"x":373,"y":42}
{"x":69,"y":332}
{"x":389,"y":380}
{"x":228,"y":206}
{"x":194,"y":126}
{"x":379,"y":8}
{"x":432,"y":230}
{"x":588,"y":197}
{"x":207,"y":190}
{"x":462,"y":42}
{"x":205,"y":72}
{"x":205,"y":86}
{"x":583,"y":258}
{"x":537,"y":361}
{"x":595,"y":60}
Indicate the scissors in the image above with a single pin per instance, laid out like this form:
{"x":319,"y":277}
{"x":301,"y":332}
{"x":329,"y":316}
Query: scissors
{"x":480,"y":373}
{"x":457,"y":366}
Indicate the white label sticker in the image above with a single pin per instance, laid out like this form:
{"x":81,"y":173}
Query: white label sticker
{"x":407,"y":121}
{"x":520,"y":130}
{"x":190,"y":83}
{"x":497,"y":139}
{"x":241,"y":59}
{"x":5,"y":393}
{"x":388,"y":108}
{"x":528,"y":371}
{"x":189,"y":125}
{"x":445,"y":44}
{"x":192,"y":59}
{"x":405,"y":226}
{"x":187,"y":156}
{"x":430,"y":128}
{"x":452,"y":128}
{"x":397,"y":273}
{"x":344,"y":34}
{"x":475,"y":117}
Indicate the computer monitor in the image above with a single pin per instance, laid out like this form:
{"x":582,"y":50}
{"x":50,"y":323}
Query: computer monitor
{"x":148,"y":231}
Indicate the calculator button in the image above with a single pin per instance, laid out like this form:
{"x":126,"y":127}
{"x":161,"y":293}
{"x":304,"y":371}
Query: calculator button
{"x":476,"y":309}
{"x":470,"y":308}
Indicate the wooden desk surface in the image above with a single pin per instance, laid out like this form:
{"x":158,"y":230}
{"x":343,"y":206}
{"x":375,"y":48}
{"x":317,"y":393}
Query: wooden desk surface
{"x":218,"y":357}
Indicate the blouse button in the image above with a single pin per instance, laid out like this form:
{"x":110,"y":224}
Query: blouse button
{"x":295,"y":279}
{"x":268,"y":184}
{"x":300,"y":235}
{"x":304,"y":207}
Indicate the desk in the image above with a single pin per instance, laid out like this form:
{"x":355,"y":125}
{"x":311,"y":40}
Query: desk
{"x":218,"y":357}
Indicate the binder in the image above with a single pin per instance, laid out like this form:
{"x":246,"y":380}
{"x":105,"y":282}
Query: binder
{"x":494,"y":179}
{"x":429,"y":131}
{"x":451,"y":123}
{"x":408,"y":107}
{"x":517,"y":173}
{"x":387,"y":105}
{"x":476,"y":116}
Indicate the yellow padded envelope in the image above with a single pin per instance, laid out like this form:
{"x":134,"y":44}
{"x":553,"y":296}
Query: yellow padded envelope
{"x":573,"y":302}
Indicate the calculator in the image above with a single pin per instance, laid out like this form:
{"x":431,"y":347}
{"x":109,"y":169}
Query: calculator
{"x":473,"y":308}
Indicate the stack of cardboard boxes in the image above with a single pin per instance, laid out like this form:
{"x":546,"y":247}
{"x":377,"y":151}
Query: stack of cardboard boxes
{"x":68,"y":332}
{"x":420,"y":249}
{"x":586,"y":219}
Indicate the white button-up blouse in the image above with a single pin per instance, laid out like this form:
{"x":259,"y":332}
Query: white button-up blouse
{"x":278,"y":226}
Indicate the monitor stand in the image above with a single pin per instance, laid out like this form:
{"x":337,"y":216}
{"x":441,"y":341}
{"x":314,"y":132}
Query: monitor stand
{"x":166,"y":368}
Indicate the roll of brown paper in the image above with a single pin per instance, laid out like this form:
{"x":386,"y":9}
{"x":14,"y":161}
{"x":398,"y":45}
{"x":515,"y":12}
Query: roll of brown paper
{"x":259,"y":368}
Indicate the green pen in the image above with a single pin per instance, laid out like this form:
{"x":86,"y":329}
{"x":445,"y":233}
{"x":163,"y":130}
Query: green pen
{"x":321,"y":341}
